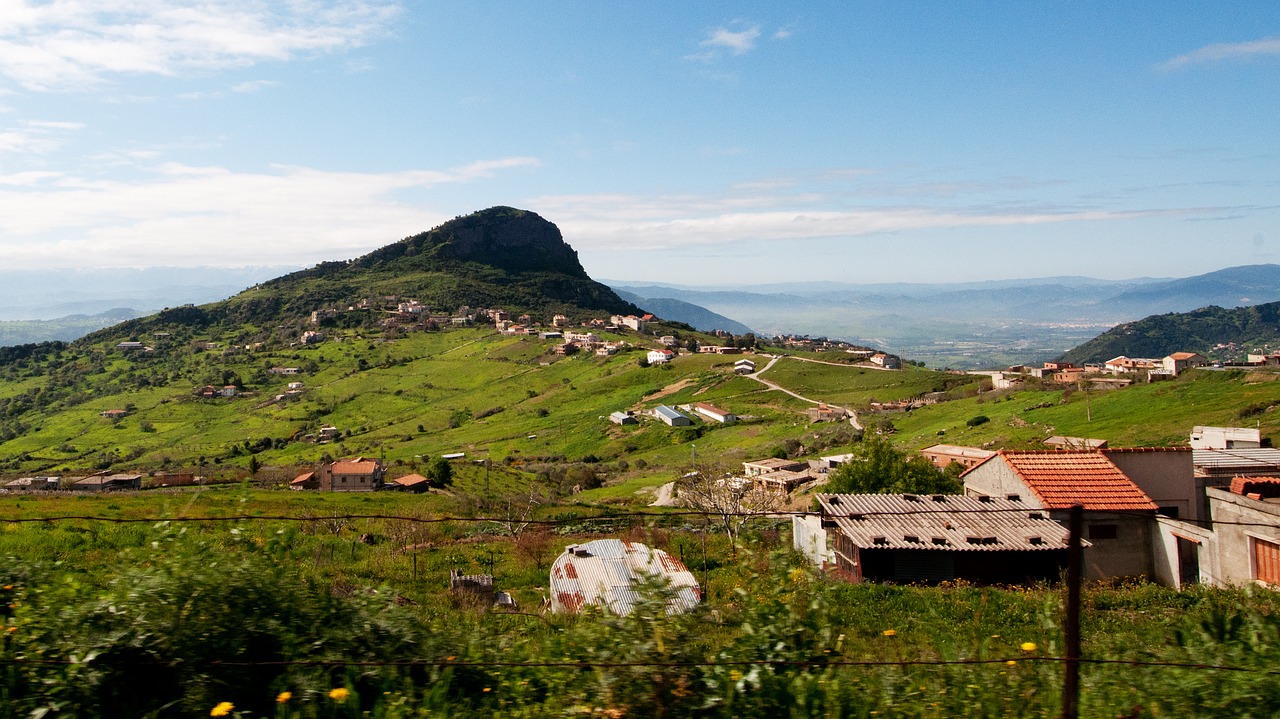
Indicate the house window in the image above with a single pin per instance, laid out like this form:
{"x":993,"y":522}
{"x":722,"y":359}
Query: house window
{"x":1168,"y":512}
{"x":1266,"y":561}
{"x":1102,"y":531}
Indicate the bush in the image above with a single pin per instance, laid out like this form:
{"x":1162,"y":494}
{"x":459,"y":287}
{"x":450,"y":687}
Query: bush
{"x":975,"y":421}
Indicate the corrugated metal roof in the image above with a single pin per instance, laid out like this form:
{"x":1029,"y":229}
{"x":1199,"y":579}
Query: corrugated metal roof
{"x":1062,"y":478}
{"x":952,"y":523}
{"x":1254,"y":457}
{"x":604,"y":572}
{"x":668,"y":412}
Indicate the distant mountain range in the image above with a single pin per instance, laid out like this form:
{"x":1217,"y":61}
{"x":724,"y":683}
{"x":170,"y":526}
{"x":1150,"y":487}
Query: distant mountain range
{"x":700,"y":318}
{"x":972,"y":324}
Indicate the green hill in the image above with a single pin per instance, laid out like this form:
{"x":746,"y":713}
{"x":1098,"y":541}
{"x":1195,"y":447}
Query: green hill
{"x":1211,"y":331}
{"x":496,"y":258}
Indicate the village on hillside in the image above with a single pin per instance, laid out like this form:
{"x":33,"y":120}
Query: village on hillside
{"x":1164,"y":514}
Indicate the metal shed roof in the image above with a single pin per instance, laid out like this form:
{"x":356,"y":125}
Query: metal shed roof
{"x":668,"y":412}
{"x":942,"y":522}
{"x":604,"y":572}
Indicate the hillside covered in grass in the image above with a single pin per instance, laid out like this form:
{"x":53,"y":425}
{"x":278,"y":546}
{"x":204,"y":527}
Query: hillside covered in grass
{"x":1225,"y":334}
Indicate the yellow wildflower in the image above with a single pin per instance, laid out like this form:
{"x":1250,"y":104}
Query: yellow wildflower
{"x":340,"y":694}
{"x":890,"y":633}
{"x":283,"y":697}
{"x":735,"y":675}
{"x":1012,"y":662}
{"x":487,"y":690}
{"x":222,"y":709}
{"x":1028,"y":646}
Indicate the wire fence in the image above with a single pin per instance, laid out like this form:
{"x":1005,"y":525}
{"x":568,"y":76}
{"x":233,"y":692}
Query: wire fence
{"x":1071,"y":661}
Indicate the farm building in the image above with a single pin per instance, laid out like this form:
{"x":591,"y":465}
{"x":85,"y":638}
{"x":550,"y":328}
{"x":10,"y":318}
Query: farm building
{"x":909,"y":538}
{"x":714,"y":413}
{"x":108,"y":483}
{"x":623,"y":418}
{"x":411,"y":483}
{"x":348,"y":475}
{"x":671,"y":416}
{"x":36,"y":484}
{"x":943,"y":455}
{"x":605,"y":572}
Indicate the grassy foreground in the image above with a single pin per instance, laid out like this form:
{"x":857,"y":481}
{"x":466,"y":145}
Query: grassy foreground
{"x":174,"y":618}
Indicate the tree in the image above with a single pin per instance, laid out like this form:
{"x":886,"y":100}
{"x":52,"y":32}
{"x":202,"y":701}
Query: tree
{"x":254,"y":465}
{"x":440,"y":472}
{"x":724,"y":498}
{"x":877,"y":467}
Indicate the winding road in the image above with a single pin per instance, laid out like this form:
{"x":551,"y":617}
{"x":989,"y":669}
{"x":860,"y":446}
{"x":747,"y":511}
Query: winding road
{"x":853,"y":416}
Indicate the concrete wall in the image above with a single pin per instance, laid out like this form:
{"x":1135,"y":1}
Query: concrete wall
{"x":1129,"y":554}
{"x":995,"y":478}
{"x":810,"y":539}
{"x":1166,"y":476}
{"x":1234,"y":546}
{"x":1166,"y":556}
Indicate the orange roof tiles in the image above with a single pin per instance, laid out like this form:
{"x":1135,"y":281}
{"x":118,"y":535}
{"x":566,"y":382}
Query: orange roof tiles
{"x":365,"y":467}
{"x":1062,"y":479}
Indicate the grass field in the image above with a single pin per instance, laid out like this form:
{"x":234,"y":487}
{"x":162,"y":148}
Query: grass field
{"x":142,"y":619}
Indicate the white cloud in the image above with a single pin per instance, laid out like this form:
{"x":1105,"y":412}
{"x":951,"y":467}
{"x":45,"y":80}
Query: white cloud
{"x":78,"y":43}
{"x":34,"y":137}
{"x":619,"y":222}
{"x":724,"y":39}
{"x":1226,"y":51}
{"x":187,"y":215}
{"x":253,"y":85}
{"x":737,"y":42}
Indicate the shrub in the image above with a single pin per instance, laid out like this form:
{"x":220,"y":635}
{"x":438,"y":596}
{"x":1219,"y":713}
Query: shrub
{"x":975,"y":421}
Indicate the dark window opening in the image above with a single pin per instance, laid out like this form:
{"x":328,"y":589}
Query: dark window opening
{"x":1102,"y":531}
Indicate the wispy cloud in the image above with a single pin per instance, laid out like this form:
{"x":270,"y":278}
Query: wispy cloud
{"x":193,"y":215}
{"x":1226,"y":51}
{"x":74,"y":44}
{"x":737,"y":40}
{"x":620,"y":222}
{"x":34,"y":137}
{"x":253,"y":85}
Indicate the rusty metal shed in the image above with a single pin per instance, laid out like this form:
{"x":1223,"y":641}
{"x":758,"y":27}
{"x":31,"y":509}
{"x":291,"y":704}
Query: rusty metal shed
{"x":604,"y":572}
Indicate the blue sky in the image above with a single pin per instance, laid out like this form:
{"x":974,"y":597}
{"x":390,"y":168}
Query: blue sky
{"x":709,"y":143}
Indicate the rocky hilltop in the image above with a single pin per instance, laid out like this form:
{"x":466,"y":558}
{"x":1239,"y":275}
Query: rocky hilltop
{"x":501,"y":257}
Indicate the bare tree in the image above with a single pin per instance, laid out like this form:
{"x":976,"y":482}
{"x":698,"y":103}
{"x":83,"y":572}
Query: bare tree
{"x":730,"y":501}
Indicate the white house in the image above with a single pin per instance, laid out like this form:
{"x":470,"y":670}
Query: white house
{"x":660,"y":356}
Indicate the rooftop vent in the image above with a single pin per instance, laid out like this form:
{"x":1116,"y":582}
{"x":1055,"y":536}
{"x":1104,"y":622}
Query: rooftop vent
{"x":911,"y":498}
{"x":984,"y":498}
{"x":1035,"y":540}
{"x":1013,"y":497}
{"x":939,"y":497}
{"x":1036,"y":515}
{"x":910,"y":538}
{"x":879,"y":540}
{"x":940,"y":540}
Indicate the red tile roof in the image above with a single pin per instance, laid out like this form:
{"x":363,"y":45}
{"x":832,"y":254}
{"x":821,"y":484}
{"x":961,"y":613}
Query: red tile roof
{"x":1062,"y":479}
{"x":1261,"y":486}
{"x":355,"y":467}
{"x":303,"y":478}
{"x":410,"y":480}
